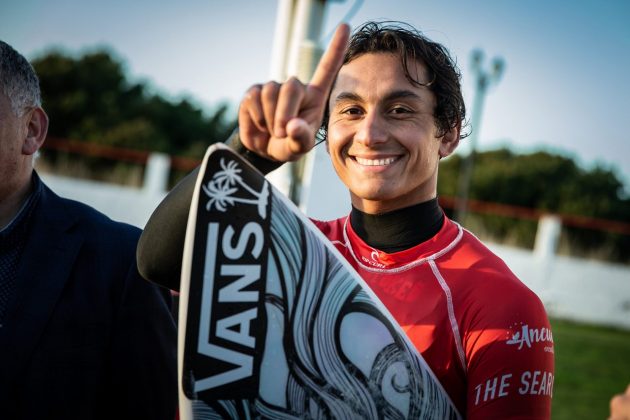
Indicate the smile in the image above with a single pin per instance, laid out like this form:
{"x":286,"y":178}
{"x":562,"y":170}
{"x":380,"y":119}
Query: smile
{"x":376,"y":162}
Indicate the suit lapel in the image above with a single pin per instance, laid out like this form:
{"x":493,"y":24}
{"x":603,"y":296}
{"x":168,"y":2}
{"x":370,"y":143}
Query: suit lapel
{"x":44,"y":269}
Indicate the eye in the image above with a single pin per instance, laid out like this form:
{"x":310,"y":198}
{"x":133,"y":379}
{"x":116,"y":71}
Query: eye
{"x":351,"y":110}
{"x":398,"y":109}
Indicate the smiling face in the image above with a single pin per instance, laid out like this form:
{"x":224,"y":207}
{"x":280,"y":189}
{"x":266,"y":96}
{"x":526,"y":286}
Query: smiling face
{"x":382,"y":136}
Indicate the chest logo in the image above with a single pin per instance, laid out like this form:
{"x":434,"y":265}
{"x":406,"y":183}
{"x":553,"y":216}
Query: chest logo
{"x":374,"y":260}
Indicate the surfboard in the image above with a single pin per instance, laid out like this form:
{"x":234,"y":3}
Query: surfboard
{"x":274,"y":322}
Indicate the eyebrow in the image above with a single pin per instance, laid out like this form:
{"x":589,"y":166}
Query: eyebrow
{"x":396,"y":94}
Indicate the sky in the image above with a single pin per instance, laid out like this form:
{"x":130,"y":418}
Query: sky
{"x":564,"y":89}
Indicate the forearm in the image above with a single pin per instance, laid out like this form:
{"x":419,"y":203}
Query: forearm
{"x":262,"y":164}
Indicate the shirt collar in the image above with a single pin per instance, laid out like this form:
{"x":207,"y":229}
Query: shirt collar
{"x":22,"y":216}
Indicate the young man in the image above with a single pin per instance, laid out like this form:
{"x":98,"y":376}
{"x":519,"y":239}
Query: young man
{"x":391,"y":108}
{"x":82,"y":335}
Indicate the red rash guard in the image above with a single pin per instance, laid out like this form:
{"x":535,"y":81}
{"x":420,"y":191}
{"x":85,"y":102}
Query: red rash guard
{"x":484,"y":334}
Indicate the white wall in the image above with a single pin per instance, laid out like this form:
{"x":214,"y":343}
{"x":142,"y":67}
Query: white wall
{"x":571,"y":288}
{"x":124,"y":204}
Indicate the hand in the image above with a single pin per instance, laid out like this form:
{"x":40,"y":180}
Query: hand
{"x":620,"y":406}
{"x":279,"y":121}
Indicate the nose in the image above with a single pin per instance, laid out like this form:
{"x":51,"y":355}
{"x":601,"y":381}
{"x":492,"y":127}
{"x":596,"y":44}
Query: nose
{"x":372,"y":130}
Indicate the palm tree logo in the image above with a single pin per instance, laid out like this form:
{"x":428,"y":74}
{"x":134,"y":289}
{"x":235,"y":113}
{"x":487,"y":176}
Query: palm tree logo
{"x":224,"y":183}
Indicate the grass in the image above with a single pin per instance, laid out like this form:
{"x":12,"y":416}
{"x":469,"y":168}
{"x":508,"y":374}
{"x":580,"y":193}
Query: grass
{"x":592,"y":364}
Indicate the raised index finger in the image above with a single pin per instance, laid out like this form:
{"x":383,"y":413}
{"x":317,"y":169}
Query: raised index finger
{"x":331,"y":61}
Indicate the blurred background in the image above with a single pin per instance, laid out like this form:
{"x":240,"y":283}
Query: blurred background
{"x":136,"y":91}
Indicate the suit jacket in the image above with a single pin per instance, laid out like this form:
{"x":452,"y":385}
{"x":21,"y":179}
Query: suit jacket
{"x":85,"y":336}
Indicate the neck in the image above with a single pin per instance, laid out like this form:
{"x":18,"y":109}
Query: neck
{"x":13,"y":200}
{"x":400,"y":229}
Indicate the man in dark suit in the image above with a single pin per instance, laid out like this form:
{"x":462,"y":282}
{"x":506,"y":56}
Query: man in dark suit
{"x":82,"y":335}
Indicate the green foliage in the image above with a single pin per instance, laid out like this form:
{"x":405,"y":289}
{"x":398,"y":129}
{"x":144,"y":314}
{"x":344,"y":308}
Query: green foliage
{"x":540,"y":180}
{"x":89,"y":98}
{"x":547,"y":182}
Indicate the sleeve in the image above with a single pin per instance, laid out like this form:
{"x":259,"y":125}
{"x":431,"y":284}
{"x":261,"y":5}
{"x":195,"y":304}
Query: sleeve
{"x":262,"y":164}
{"x":161,"y":245}
{"x":143,"y":359}
{"x":510,"y":356}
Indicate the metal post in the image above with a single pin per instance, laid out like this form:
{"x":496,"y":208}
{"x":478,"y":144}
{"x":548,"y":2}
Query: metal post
{"x":297,"y":49}
{"x":483,"y":80}
{"x":285,"y":16}
{"x":304,"y":56}
{"x":281,"y":39}
{"x":156,"y":173}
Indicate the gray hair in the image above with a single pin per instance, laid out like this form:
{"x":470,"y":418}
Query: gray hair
{"x":18,"y":80}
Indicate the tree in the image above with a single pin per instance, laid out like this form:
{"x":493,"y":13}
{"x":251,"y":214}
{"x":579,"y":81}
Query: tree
{"x":550,"y":182}
{"x":89,"y":98}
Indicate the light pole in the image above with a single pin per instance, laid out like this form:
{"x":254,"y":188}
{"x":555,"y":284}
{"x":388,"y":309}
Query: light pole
{"x":483,"y":80}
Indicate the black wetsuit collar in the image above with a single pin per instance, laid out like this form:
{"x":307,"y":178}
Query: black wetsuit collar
{"x":399,"y":229}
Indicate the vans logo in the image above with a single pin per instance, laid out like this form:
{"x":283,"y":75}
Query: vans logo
{"x":224,"y":344}
{"x":526,"y":336}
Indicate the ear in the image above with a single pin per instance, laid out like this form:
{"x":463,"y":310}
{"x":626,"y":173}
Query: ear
{"x":36,"y":130}
{"x":449,"y":141}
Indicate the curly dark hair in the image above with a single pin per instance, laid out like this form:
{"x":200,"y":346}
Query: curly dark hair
{"x":410,"y":44}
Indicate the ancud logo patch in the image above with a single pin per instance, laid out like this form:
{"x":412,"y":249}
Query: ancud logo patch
{"x":523,"y":335}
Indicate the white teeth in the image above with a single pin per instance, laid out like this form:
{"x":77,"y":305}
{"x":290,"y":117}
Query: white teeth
{"x":375,"y":162}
